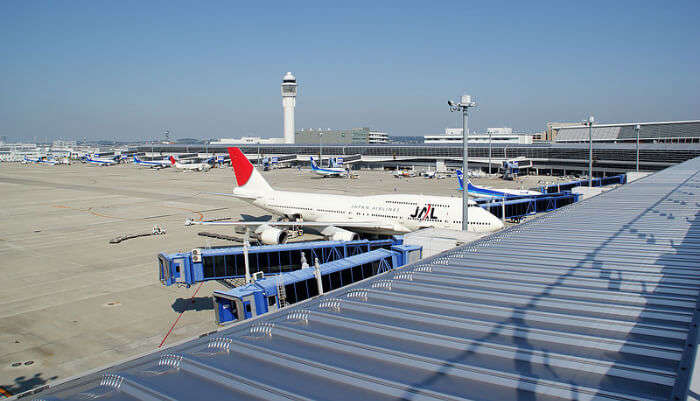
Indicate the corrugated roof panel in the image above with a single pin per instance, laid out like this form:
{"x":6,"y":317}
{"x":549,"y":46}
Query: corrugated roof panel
{"x":581,"y":134}
{"x":595,"y":301}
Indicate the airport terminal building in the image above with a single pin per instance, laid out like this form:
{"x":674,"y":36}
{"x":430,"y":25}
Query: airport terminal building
{"x":353,"y":136}
{"x":495,"y":135}
{"x":662,"y":144}
{"x":649,"y":132}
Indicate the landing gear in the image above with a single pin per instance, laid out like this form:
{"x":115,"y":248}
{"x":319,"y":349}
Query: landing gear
{"x":294,"y":231}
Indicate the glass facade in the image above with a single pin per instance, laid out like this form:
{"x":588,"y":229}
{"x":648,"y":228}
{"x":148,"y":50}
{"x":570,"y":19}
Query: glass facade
{"x":612,"y":155}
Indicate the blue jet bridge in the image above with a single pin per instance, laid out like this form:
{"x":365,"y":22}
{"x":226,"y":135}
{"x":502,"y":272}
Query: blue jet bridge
{"x":198,"y":265}
{"x":272,"y":293}
{"x":517,"y":207}
{"x":597,"y":182}
{"x":553,"y":197}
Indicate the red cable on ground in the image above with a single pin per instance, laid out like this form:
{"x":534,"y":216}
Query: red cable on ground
{"x":179,"y":316}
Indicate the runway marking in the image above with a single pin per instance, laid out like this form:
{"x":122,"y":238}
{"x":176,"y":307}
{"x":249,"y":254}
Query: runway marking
{"x":200,"y":218}
{"x":104,"y":215}
{"x":89,"y":210}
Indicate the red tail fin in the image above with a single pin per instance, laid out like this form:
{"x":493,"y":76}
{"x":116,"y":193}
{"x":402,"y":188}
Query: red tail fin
{"x":172,"y":160}
{"x":241,"y":166}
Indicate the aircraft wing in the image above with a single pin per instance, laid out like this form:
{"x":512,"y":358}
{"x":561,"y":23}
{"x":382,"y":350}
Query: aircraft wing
{"x":354,"y":224}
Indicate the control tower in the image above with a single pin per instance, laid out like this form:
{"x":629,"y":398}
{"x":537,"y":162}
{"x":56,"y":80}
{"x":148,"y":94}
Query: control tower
{"x":289,"y":100}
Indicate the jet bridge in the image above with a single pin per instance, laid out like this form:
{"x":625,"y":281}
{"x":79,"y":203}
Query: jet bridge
{"x":553,"y":197}
{"x":272,"y":293}
{"x":597,"y":182}
{"x":517,"y":207}
{"x":201,"y":264}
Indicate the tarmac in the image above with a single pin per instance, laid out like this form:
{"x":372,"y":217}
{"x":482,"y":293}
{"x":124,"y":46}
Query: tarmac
{"x":70,"y":301}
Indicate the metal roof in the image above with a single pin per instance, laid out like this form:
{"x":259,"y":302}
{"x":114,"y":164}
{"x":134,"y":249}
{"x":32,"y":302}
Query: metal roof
{"x":630,"y":124}
{"x":609,"y":132}
{"x":595,"y":301}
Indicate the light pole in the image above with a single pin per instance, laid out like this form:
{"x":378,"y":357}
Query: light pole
{"x":589,"y":123}
{"x":464,"y":105}
{"x":489,"y":152}
{"x":636,"y":131}
{"x":320,"y":149}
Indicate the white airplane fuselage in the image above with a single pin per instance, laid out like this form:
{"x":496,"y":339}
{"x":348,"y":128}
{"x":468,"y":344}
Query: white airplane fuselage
{"x":193,"y":166}
{"x":101,"y":162}
{"x":152,"y":163}
{"x":330,"y":172}
{"x":382,"y":214}
{"x":404,"y":212}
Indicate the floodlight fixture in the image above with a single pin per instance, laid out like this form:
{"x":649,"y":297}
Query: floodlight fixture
{"x":465,"y":103}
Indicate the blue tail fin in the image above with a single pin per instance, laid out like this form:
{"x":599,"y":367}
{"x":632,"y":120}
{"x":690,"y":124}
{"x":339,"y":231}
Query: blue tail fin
{"x":313,"y":164}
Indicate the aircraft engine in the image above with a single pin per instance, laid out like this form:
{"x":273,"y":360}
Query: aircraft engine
{"x":270,"y":235}
{"x":339,"y":234}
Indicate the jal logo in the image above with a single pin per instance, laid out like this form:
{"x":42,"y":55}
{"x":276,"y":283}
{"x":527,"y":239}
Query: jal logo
{"x":425,"y":213}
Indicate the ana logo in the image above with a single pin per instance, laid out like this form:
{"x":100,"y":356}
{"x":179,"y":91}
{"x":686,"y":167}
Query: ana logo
{"x":426,"y":213}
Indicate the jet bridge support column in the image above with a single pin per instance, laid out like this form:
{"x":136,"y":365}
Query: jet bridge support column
{"x":317,"y":274}
{"x":246,"y":244}
{"x":503,"y":208}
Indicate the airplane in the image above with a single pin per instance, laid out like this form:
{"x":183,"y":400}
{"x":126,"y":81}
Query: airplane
{"x":203,"y":166}
{"x":485,"y":192}
{"x":433,"y":174}
{"x":341,"y":217}
{"x":328,"y":171}
{"x":404,"y":173}
{"x":101,"y":161}
{"x":41,"y":160}
{"x":152,"y":163}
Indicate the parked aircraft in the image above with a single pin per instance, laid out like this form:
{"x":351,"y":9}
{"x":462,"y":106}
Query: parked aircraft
{"x":340,"y":217}
{"x":101,"y":161}
{"x":486,"y":192}
{"x":44,"y":160}
{"x":38,"y":160}
{"x":404,"y":173}
{"x":152,"y":163}
{"x":202,"y":166}
{"x":328,"y":171}
{"x":434,"y":174}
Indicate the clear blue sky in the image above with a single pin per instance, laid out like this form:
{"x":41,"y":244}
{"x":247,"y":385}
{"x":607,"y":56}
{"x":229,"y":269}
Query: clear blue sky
{"x":130,"y":69}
